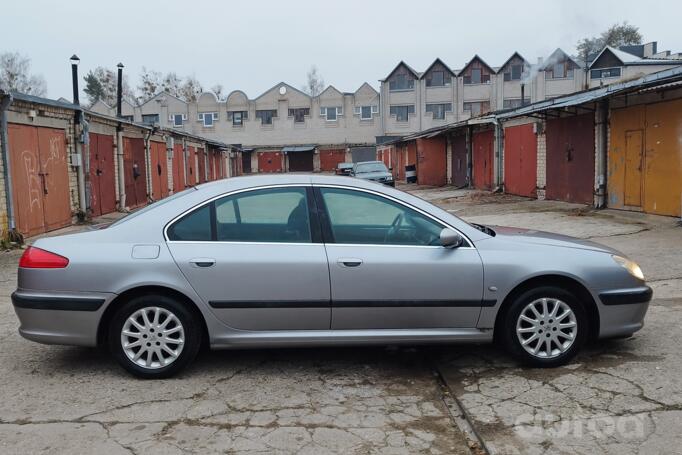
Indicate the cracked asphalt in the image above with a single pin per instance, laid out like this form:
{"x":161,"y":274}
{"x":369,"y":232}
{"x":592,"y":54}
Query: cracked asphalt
{"x":619,"y":396}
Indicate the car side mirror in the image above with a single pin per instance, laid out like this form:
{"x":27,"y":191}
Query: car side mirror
{"x":450,"y":238}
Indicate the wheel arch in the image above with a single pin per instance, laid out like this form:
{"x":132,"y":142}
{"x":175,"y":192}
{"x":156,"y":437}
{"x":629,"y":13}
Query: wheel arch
{"x":565,"y":282}
{"x":148,"y":290}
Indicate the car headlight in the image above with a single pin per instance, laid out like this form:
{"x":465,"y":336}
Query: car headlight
{"x":630,"y":266}
{"x":389,"y":178}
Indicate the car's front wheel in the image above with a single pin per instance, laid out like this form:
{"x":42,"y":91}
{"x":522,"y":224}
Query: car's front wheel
{"x":154,"y":336}
{"x":545,"y":327}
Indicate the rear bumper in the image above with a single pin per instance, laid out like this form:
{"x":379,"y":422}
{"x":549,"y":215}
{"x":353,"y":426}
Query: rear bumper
{"x":60,"y":318}
{"x":622,"y":311}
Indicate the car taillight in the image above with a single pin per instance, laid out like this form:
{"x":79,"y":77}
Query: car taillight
{"x":36,"y":258}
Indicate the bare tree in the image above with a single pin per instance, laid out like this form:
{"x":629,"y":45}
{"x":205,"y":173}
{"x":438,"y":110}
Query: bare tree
{"x":217,"y":89}
{"x":15,"y":75}
{"x":617,"y":35}
{"x":171,"y":84}
{"x":315,"y":82}
{"x":151,"y":82}
{"x":190,"y":89}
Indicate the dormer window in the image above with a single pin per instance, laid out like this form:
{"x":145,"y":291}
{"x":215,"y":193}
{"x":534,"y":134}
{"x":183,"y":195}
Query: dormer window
{"x":605,"y":73}
{"x":366,"y":112}
{"x":331,"y":113}
{"x":177,"y":120}
{"x":513,"y":73}
{"x":438,"y":78}
{"x":401,"y":82}
{"x":561,"y":70}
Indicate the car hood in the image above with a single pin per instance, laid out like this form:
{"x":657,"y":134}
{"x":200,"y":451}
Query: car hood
{"x":533,"y":237}
{"x":373,"y":175}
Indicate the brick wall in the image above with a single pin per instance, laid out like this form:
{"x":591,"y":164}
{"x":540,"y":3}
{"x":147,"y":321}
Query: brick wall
{"x":542,"y":162}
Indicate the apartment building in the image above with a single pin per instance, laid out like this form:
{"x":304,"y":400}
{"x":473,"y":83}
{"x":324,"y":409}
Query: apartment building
{"x":321,"y":131}
{"x":413,"y":101}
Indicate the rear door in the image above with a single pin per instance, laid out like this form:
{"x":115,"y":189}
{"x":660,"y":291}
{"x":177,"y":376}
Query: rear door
{"x":257,"y":259}
{"x":387,"y":269}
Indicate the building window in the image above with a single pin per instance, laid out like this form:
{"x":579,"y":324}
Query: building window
{"x":439,"y":110}
{"x":150,"y":119}
{"x":401,"y":82}
{"x":513,"y":73}
{"x":177,"y":120}
{"x":129,"y":118}
{"x":299,"y":114}
{"x":514,"y":103}
{"x":331,"y":113}
{"x":237,"y":117}
{"x":561,"y":71}
{"x":606,"y":72}
{"x":438,"y":79}
{"x":477,"y":108}
{"x":266,"y":116}
{"x":366,"y":112}
{"x":402,"y":113}
{"x":476,"y":76}
{"x":208,"y":118}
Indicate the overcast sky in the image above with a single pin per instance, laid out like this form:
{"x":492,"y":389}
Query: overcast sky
{"x":252,"y":45}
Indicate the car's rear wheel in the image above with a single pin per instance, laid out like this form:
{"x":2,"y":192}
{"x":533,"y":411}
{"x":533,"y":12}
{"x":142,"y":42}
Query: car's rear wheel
{"x":545,"y":327}
{"x":154,"y":336}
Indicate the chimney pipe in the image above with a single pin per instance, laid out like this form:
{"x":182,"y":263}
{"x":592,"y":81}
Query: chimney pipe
{"x":523,"y":94}
{"x":119,"y":90}
{"x":74,"y":77}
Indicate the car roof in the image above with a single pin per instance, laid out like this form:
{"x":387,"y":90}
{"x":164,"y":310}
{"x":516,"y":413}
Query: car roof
{"x":369,"y":162}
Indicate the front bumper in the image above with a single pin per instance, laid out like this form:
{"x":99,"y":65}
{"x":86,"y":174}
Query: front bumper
{"x":622,"y":311}
{"x":59,"y":317}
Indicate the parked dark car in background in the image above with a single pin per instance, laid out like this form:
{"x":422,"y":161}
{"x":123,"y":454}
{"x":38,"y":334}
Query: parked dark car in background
{"x":344,"y":168}
{"x":375,"y":171}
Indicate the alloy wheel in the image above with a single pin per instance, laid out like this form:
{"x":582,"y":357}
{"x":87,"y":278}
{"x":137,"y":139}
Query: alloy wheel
{"x":546,"y":328}
{"x":152,"y":337}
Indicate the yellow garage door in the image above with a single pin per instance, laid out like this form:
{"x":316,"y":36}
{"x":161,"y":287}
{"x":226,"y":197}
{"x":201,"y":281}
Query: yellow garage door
{"x":645,"y":158}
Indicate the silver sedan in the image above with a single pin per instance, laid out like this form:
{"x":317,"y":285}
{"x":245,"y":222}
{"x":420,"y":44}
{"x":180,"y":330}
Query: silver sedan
{"x":308,"y":260}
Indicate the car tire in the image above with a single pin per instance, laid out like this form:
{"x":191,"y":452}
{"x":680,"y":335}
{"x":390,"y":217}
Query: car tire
{"x":169,"y":337}
{"x":543,"y":315}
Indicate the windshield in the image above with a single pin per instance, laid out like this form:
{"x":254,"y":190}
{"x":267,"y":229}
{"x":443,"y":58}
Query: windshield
{"x":151,"y":206}
{"x":370,"y":167}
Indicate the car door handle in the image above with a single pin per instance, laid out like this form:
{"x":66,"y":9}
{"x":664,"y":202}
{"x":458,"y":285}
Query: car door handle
{"x":349,"y":262}
{"x":202,"y":262}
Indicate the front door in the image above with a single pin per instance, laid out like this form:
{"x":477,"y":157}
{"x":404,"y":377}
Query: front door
{"x":256,"y":258}
{"x":388,"y":270}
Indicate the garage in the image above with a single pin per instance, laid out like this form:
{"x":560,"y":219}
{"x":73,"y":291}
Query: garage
{"x":102,"y":175}
{"x":40,"y":179}
{"x":330,"y":158}
{"x":360,"y":154}
{"x":482,"y":157}
{"x":458,"y":163}
{"x":269,"y":162}
{"x":300,"y":159}
{"x":158,"y":169}
{"x":201,"y":165}
{"x":570,"y":159}
{"x":645,"y":158}
{"x":520,"y":160}
{"x":191,"y":165}
{"x":246,"y":161}
{"x":135,"y":172}
{"x":431,"y":157}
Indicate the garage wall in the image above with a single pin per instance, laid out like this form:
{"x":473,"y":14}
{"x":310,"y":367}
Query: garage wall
{"x":330,"y":158}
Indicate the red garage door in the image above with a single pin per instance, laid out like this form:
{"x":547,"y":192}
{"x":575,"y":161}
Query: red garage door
{"x":269,"y":161}
{"x":40,"y":178}
{"x":159,"y":170}
{"x":520,"y":160}
{"x":192,"y":165}
{"x":135,"y":172}
{"x":570,"y":159}
{"x":329,"y":159}
{"x":102,"y":178}
{"x":459,"y":160}
{"x":482,"y":156}
{"x":431,"y":161}
{"x":201,"y":164}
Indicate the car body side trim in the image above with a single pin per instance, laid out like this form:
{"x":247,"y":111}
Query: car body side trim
{"x":627,"y":296}
{"x":351,"y":303}
{"x":57,"y":303}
